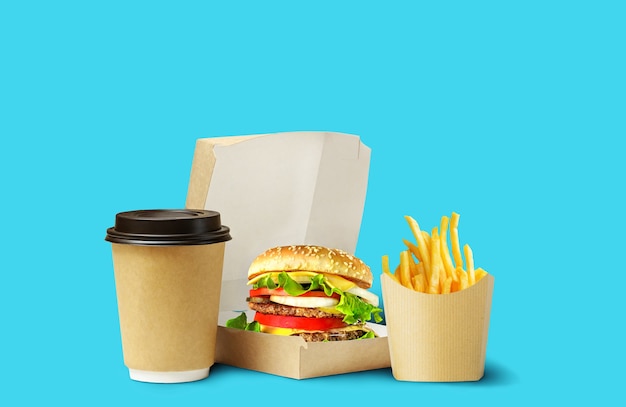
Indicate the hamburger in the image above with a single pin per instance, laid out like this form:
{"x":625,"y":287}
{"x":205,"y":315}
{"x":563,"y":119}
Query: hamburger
{"x":317,"y":293}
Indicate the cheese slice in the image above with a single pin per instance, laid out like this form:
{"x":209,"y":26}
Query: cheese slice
{"x":292,"y":331}
{"x":332,"y":310}
{"x":339,"y":282}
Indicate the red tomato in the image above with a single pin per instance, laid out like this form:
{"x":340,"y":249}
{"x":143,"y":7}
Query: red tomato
{"x":308,"y":324}
{"x":259,"y":292}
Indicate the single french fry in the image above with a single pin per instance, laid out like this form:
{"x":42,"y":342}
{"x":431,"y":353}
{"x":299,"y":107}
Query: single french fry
{"x":421,"y":243}
{"x":436,"y":266}
{"x":405,"y":271}
{"x":436,"y":257}
{"x":463,"y":278}
{"x":454,"y":239}
{"x":480,"y":273}
{"x":412,"y":268}
{"x":397,"y":273}
{"x":420,"y":269}
{"x":445,"y":252}
{"x":439,"y":259}
{"x":447,"y":286}
{"x":419,"y":282}
{"x":416,"y":286}
{"x":386,"y":269}
{"x":413,"y":248}
{"x":442,"y":279}
{"x":426,"y":240}
{"x":386,"y":264}
{"x":469,"y":259}
{"x":455,"y":286}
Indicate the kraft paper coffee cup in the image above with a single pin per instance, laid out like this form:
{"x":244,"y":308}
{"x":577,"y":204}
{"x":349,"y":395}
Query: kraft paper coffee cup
{"x":437,"y":337}
{"x":168,"y":273}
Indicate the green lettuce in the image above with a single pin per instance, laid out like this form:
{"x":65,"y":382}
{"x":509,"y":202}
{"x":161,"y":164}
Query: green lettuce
{"x":241,"y":322}
{"x":368,"y":335}
{"x":265,"y":282}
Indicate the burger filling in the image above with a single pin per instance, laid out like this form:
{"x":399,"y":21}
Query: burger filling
{"x":316,"y":306}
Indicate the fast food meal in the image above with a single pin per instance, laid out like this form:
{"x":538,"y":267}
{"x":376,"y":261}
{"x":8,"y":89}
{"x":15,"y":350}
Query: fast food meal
{"x":426,"y":265}
{"x":314,"y":292}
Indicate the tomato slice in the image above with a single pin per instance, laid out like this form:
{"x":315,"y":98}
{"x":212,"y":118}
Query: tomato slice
{"x":259,"y":292}
{"x":308,"y":324}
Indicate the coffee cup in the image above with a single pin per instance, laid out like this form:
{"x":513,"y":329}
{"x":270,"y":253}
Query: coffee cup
{"x":168,"y":270}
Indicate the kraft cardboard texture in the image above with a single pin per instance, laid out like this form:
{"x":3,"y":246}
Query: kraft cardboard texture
{"x":168,"y":299}
{"x":283,"y":189}
{"x":293,"y":357}
{"x":437,"y":337}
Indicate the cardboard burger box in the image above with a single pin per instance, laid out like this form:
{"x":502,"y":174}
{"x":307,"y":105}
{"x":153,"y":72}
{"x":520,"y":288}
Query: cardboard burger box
{"x":284,"y":189}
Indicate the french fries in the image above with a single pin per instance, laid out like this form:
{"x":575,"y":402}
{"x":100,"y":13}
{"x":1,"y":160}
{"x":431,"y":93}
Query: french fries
{"x":427,"y":265}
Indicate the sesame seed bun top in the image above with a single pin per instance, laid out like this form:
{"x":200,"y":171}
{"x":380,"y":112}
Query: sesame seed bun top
{"x":312,"y":258}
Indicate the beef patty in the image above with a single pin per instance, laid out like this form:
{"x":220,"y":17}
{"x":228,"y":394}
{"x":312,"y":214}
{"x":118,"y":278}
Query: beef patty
{"x":285,"y":310}
{"x":331,"y":335}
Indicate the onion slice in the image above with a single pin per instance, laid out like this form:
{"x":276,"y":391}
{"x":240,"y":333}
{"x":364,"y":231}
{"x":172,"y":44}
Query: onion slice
{"x":367,"y":296}
{"x":304,"y":302}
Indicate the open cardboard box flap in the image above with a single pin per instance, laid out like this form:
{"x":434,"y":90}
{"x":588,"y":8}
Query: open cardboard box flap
{"x":283,"y":189}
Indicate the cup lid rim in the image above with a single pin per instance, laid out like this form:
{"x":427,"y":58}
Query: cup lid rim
{"x":168,"y":227}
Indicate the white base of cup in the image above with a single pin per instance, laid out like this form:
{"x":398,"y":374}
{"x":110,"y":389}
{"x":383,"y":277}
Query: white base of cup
{"x":168,"y":377}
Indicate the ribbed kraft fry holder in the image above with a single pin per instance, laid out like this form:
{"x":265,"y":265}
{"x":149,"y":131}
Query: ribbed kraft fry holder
{"x":437,"y":337}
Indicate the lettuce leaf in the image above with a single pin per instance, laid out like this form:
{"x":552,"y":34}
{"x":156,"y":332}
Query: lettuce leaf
{"x":265,"y":282}
{"x":241,"y":322}
{"x":368,"y":335}
{"x":356,"y":310}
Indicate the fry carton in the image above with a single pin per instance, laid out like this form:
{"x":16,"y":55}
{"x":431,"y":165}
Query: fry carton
{"x":437,"y":337}
{"x":284,"y":189}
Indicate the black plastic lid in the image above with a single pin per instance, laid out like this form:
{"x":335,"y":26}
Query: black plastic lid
{"x":168,"y":227}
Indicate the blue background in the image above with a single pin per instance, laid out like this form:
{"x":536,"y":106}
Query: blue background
{"x":509,"y":113}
